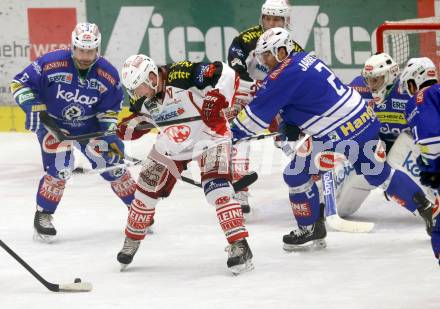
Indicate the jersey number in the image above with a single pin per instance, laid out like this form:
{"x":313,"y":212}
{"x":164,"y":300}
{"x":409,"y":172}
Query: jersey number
{"x":331,"y":79}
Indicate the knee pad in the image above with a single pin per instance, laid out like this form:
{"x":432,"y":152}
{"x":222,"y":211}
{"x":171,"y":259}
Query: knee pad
{"x":240,"y":160}
{"x":155,"y":180}
{"x":214,"y":163}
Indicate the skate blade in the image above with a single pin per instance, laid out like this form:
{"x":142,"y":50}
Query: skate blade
{"x":150,"y":230}
{"x":123,"y":267}
{"x":242,"y":268}
{"x":317,"y":244}
{"x":47,"y":239}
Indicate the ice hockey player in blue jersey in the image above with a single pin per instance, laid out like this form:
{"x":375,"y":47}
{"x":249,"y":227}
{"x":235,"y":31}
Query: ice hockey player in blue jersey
{"x":419,"y":79}
{"x":309,"y":95}
{"x":241,"y":57}
{"x":379,"y":85}
{"x":81,"y":91}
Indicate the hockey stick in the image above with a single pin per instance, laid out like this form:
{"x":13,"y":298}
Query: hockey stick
{"x":77,"y":286}
{"x":332,"y":217}
{"x":53,"y":128}
{"x":239,"y":185}
{"x":256,"y":137}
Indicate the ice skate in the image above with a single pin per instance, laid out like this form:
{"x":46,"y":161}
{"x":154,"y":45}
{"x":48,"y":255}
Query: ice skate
{"x":424,"y":210}
{"x":242,"y":197}
{"x":43,"y":227}
{"x":307,"y":237}
{"x":239,"y":257}
{"x":125,"y":256}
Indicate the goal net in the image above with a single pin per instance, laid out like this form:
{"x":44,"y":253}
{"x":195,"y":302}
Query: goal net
{"x":410,"y":38}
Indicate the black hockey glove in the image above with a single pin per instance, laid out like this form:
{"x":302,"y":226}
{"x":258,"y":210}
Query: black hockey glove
{"x":429,"y":179}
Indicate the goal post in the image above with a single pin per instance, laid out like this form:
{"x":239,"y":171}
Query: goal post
{"x":410,"y":38}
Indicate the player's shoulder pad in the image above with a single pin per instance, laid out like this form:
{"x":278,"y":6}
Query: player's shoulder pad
{"x":180,"y":74}
{"x":55,"y":59}
{"x":106,"y":72}
{"x":251,"y":35}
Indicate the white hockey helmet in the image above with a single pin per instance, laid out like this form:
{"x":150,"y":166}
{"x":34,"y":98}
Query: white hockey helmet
{"x":418,"y":70}
{"x":271,"y":40}
{"x":276,"y":8}
{"x":86,"y":36}
{"x":136,"y":71}
{"x":380,"y":65}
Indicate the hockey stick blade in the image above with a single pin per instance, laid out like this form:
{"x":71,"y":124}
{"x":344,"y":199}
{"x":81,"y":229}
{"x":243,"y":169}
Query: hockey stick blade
{"x":332,"y":217}
{"x":69,"y":287}
{"x":239,"y":185}
{"x":342,"y":225}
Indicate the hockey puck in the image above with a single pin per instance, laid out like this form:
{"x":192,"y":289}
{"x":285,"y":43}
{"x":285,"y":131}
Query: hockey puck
{"x":77,"y":280}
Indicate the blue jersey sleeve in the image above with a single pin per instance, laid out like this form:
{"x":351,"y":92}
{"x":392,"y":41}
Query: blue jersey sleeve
{"x":112,"y":97}
{"x":269,"y":100}
{"x":26,"y":87}
{"x":423,"y":114}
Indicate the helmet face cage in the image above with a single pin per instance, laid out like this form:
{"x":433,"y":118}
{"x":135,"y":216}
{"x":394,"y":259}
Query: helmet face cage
{"x":86,"y":36}
{"x":418,"y":70}
{"x":377,"y":66}
{"x":272,"y":40}
{"x":276,"y":8}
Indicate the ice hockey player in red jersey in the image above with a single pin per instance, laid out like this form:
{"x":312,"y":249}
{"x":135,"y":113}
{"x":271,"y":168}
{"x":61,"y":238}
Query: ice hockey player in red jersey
{"x":174,"y":92}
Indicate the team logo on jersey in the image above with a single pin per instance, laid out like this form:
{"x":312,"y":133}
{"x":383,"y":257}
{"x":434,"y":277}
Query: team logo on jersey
{"x":72,"y":112}
{"x":222,"y":200}
{"x":61,"y":77}
{"x":75,"y":97}
{"x":178,"y":133}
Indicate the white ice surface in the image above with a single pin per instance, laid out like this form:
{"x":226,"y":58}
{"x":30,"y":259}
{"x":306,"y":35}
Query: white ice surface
{"x":183,"y":264}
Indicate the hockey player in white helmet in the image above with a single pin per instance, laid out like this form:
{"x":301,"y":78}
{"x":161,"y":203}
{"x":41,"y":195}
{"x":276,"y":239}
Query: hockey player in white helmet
{"x":241,"y":57}
{"x":420,"y":80}
{"x":183,"y":91}
{"x":81,"y":92}
{"x":307,"y":93}
{"x":380,"y":77}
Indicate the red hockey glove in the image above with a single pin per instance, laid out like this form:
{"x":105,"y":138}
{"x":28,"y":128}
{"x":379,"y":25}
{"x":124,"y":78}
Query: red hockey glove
{"x":212,"y":114}
{"x":127,"y":127}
